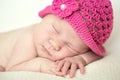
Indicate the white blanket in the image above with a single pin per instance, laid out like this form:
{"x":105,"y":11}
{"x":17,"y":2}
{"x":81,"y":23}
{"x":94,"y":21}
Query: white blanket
{"x":17,"y":13}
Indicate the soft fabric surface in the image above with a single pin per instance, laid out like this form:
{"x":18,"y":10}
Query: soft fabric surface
{"x":15,"y":13}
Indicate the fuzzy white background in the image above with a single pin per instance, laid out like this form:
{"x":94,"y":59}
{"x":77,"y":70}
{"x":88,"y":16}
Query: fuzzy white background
{"x":19,"y":13}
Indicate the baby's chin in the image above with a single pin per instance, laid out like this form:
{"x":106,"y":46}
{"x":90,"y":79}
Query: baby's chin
{"x":55,"y":58}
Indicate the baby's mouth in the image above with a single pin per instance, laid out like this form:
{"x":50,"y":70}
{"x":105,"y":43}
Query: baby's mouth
{"x":43,"y":50}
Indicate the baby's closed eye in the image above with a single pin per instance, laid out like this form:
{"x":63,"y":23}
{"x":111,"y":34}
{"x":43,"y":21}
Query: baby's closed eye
{"x":53,"y":29}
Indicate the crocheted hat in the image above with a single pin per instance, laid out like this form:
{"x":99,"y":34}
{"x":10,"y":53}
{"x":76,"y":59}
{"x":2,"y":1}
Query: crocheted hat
{"x":91,"y":19}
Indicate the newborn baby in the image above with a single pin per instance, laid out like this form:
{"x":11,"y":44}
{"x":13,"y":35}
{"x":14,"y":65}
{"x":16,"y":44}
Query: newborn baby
{"x":36,"y":47}
{"x":70,"y":36}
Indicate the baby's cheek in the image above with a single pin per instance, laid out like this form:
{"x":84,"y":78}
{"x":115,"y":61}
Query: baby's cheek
{"x":67,"y":53}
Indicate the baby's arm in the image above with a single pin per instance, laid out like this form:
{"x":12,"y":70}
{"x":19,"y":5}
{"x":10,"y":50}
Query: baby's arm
{"x":90,"y":57}
{"x":71,"y":64}
{"x":37,"y":64}
{"x":30,"y":65}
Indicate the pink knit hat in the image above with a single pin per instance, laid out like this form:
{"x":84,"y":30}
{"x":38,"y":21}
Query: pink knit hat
{"x":91,"y":19}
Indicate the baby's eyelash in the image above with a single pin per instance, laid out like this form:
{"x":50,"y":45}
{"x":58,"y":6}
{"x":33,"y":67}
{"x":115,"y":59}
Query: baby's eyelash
{"x":55,"y":29}
{"x":70,"y":46}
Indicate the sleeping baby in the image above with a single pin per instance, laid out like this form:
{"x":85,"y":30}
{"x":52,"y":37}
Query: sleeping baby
{"x":61,"y":43}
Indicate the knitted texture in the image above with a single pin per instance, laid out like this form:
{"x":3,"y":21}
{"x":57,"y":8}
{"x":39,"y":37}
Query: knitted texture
{"x":91,"y":19}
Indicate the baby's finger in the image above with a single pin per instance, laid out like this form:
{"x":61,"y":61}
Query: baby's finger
{"x":58,"y":73}
{"x":66,"y":67}
{"x":82,"y":68}
{"x":73,"y":70}
{"x":60,"y":65}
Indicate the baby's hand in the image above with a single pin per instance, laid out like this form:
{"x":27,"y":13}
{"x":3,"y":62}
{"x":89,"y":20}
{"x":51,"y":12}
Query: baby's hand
{"x":48,"y":66}
{"x":71,"y":64}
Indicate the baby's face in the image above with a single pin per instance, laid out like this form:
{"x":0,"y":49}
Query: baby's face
{"x":55,"y":39}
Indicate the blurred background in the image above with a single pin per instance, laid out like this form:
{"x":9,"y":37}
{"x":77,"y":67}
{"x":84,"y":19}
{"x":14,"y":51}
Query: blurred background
{"x":19,"y":13}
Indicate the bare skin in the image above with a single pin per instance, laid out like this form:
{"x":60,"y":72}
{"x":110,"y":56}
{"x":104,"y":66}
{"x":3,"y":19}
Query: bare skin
{"x":46,"y":43}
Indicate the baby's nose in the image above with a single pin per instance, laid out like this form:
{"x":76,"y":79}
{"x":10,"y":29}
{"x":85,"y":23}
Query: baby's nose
{"x":55,"y":44}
